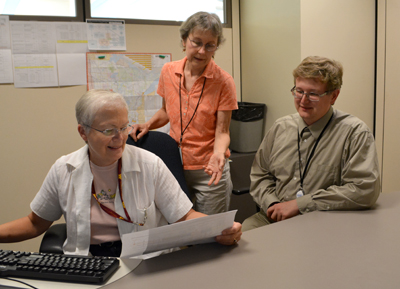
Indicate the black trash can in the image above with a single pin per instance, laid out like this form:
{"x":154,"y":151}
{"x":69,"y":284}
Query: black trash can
{"x":246,"y":127}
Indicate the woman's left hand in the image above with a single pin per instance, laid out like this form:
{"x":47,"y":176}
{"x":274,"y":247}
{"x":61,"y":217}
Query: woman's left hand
{"x":231,"y":235}
{"x":215,"y":168}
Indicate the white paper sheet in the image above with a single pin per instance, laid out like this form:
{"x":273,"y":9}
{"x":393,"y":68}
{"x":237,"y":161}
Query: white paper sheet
{"x":34,"y":53}
{"x":71,"y":47}
{"x":106,"y":34}
{"x":6,"y":71}
{"x":35,"y":70}
{"x":191,"y":232}
{"x":71,"y":69}
{"x":30,"y":37}
{"x":5,"y":33}
{"x":71,"y":32}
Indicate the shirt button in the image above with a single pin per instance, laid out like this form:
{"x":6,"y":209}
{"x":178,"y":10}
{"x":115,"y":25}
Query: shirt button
{"x":184,"y":113}
{"x":294,"y":178}
{"x":305,"y":140}
{"x":307,"y":210}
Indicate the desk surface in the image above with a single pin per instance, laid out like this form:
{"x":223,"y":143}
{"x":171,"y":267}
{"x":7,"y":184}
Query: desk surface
{"x":351,"y":249}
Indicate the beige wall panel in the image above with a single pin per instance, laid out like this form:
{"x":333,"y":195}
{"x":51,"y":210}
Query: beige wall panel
{"x":380,"y":80}
{"x":345,"y":31}
{"x":236,"y":47}
{"x":38,"y":126}
{"x":270,"y":49}
{"x":391,"y":139}
{"x":166,"y":39}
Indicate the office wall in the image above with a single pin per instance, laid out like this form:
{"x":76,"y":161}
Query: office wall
{"x":277,"y":34}
{"x":344,"y":30}
{"x":388,"y":101}
{"x":38,"y":125}
{"x":270,"y":49}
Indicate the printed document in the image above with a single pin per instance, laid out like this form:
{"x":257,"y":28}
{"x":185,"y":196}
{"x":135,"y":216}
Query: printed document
{"x":191,"y":232}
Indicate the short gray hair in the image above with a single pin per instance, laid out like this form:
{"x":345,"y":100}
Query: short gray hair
{"x":203,"y":21}
{"x":88,"y":105}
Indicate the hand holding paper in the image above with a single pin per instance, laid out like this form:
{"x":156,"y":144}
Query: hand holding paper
{"x":195,"y":231}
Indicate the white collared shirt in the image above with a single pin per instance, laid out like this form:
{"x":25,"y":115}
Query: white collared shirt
{"x":147,"y":184}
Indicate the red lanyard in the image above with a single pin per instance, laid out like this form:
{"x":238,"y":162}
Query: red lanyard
{"x":108,"y":210}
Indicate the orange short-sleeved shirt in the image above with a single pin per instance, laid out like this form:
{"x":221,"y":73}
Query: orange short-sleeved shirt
{"x":219,"y":93}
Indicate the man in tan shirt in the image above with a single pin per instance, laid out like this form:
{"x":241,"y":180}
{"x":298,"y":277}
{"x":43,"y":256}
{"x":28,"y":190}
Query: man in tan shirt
{"x":317,"y":159}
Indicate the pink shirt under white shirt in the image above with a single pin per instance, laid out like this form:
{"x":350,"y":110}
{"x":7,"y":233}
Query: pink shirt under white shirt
{"x":103,"y":227}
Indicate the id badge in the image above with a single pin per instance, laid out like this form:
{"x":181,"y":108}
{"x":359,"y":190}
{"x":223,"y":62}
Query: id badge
{"x":299,"y":193}
{"x":180,"y":153}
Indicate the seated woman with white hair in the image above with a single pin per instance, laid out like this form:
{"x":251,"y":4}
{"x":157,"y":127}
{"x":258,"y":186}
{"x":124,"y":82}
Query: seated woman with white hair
{"x":106,"y":189}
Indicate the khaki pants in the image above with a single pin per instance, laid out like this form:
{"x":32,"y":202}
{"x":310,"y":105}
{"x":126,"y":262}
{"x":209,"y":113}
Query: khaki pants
{"x":257,"y":220}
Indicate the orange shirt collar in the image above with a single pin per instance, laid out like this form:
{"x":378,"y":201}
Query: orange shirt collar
{"x":208,"y":72}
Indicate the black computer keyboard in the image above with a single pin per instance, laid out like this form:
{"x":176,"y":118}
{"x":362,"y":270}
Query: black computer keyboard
{"x":57,"y":267}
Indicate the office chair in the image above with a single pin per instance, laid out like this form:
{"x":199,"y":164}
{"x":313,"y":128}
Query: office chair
{"x":159,"y":143}
{"x":241,"y":200}
{"x":164,"y":146}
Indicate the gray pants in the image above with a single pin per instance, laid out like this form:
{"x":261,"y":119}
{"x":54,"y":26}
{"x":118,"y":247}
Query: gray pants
{"x":210,"y":199}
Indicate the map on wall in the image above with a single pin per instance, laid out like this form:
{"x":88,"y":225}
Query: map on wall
{"x":134,"y":75}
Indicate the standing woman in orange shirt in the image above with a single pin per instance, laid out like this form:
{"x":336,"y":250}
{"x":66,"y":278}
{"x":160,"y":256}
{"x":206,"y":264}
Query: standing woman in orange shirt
{"x":198,"y":99}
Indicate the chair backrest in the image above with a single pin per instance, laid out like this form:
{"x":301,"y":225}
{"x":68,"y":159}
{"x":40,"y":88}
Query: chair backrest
{"x":164,"y":146}
{"x":54,"y":238}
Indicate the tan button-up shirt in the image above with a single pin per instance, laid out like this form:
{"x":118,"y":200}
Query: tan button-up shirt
{"x":343,"y":173}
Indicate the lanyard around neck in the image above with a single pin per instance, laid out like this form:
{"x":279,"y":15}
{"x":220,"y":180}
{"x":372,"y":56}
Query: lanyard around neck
{"x":180,"y":108}
{"x":302,"y":175}
{"x":108,"y":210}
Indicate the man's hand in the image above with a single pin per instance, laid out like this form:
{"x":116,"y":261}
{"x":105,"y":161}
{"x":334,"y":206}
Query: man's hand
{"x":283,"y":211}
